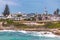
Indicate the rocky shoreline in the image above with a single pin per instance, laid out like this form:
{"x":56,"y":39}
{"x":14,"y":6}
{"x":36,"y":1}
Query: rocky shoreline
{"x":54,"y":31}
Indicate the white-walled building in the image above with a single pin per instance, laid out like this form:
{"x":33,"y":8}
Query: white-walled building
{"x":54,"y":18}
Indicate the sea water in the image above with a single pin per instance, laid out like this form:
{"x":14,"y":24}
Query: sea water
{"x":24,"y":35}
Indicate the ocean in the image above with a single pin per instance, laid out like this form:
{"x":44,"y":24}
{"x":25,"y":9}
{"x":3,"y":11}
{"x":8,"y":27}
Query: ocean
{"x":27,"y":35}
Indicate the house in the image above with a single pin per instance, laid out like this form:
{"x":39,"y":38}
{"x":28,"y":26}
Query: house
{"x":55,"y":18}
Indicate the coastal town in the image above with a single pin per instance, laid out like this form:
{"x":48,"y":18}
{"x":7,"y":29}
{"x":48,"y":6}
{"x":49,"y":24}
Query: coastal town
{"x":30,"y":21}
{"x":45,"y":16}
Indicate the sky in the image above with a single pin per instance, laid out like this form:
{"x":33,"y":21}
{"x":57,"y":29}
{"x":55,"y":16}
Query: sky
{"x":30,"y":6}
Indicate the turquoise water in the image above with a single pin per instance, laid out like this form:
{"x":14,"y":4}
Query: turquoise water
{"x":23,"y":36}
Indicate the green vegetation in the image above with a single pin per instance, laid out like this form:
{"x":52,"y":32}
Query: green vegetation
{"x":9,"y":21}
{"x":52,"y":25}
{"x":1,"y":20}
{"x":20,"y":25}
{"x":19,"y":15}
{"x":6,"y":11}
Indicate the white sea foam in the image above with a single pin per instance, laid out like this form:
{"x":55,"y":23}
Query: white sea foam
{"x":34,"y":33}
{"x":13,"y":31}
{"x":22,"y":31}
{"x":7,"y":31}
{"x":43,"y":33}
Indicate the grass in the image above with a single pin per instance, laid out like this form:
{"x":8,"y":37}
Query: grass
{"x":52,"y":25}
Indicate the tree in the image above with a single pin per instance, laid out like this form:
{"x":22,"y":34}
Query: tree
{"x":6,"y":11}
{"x":54,"y":12}
{"x":19,"y":15}
{"x":57,"y":11}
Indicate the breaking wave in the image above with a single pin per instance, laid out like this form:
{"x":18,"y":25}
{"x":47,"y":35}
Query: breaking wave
{"x":33,"y":33}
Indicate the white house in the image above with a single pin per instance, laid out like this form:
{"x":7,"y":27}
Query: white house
{"x":54,"y":18}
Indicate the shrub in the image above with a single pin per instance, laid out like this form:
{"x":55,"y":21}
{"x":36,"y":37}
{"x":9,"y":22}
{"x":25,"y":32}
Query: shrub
{"x":52,"y":25}
{"x":9,"y":21}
